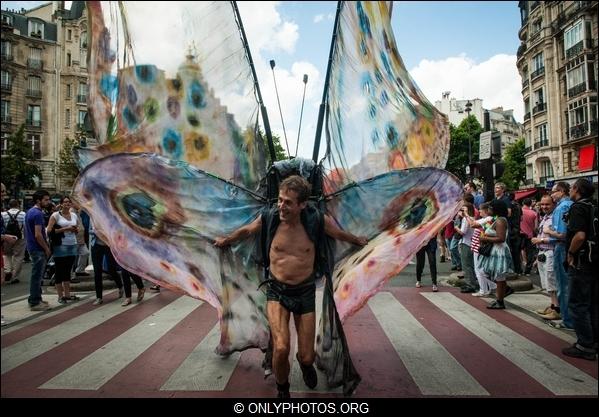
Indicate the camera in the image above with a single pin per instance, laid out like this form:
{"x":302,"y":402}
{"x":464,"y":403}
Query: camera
{"x":541,"y":257}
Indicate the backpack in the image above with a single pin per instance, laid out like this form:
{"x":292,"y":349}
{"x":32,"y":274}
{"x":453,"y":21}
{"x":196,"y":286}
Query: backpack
{"x":12,"y":227}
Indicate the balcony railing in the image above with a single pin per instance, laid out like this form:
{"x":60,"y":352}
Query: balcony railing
{"x":7,"y":86}
{"x":527,"y":116}
{"x":34,"y":93}
{"x":541,"y":143}
{"x":35,"y":64}
{"x":81,"y":98}
{"x":577,"y":49}
{"x":525,"y":83}
{"x":528,"y":149}
{"x":521,"y":50}
{"x":6,"y":56}
{"x":5,"y":118}
{"x":539,"y":108}
{"x":537,"y":73}
{"x":534,"y":5}
{"x":34,"y":123}
{"x":579,"y":131}
{"x":529,"y":181}
{"x":577,"y":89}
{"x":543,"y":180}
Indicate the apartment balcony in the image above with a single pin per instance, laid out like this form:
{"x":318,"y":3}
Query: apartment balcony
{"x":583,"y":129}
{"x":82,"y":98}
{"x":534,"y":5}
{"x":34,"y":123}
{"x":525,"y":83}
{"x":521,"y":50}
{"x":7,"y":87}
{"x":35,"y":64}
{"x":529,"y":181}
{"x":7,"y":57}
{"x":528,"y":149}
{"x":541,"y":143}
{"x":527,"y":116}
{"x":5,"y":118}
{"x":539,"y":108}
{"x":537,"y":73}
{"x":34,"y":93}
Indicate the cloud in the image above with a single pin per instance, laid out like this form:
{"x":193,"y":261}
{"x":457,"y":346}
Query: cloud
{"x":318,"y":18}
{"x":496,"y":81}
{"x":269,"y":32}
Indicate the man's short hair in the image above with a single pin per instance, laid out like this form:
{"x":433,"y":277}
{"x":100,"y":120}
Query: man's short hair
{"x":501,"y":185}
{"x":527,"y":202}
{"x":468,"y":198}
{"x":563,"y":186}
{"x":39,"y":195}
{"x":13,"y":203}
{"x":297,"y":184}
{"x":584,"y":188}
{"x":472,"y":185}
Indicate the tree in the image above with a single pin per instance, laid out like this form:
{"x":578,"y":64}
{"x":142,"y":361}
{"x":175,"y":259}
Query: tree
{"x":515,"y":165}
{"x":279,"y":151}
{"x":67,"y":166}
{"x":18,"y":170}
{"x":467,"y":133}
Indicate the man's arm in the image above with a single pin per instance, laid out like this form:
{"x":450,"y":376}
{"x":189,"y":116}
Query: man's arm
{"x":40,"y":239}
{"x":239,"y":234}
{"x":331,"y":229}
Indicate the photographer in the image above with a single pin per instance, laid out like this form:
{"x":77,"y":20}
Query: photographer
{"x":545,"y":246}
{"x":581,"y":238}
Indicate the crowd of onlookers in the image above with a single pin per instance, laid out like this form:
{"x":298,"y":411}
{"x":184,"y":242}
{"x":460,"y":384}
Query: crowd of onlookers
{"x":491,"y":242}
{"x":486,"y":241}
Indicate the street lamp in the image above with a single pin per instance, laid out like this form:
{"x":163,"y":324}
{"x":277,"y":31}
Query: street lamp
{"x":468,"y":110}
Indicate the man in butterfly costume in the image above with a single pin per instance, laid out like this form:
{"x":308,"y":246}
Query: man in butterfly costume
{"x":180,"y":162}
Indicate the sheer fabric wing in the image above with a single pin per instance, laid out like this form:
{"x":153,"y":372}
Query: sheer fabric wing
{"x":173,"y":79}
{"x":160,"y":219}
{"x":378,"y":120}
{"x":399,"y":212}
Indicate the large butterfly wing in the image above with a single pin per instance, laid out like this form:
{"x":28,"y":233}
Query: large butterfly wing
{"x":399,"y":212}
{"x":378,"y":120}
{"x":174,"y":79}
{"x":160,"y":219}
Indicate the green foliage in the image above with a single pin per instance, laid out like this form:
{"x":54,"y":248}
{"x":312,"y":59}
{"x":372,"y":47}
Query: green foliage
{"x":515,"y":165}
{"x":67,"y":166}
{"x":280,"y":153}
{"x":467,"y":132}
{"x":18,"y":170}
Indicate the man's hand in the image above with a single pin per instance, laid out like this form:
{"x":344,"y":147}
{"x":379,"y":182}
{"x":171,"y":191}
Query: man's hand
{"x":547,"y":230}
{"x":221,"y":242}
{"x":47,"y":252}
{"x":9,"y":238}
{"x":571,"y":260}
{"x":361,"y":240}
{"x":536,"y":240}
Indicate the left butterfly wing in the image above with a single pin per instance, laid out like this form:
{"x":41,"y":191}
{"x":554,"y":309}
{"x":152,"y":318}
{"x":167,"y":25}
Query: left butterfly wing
{"x":399,"y":212}
{"x":377,"y":120}
{"x":160,"y":218}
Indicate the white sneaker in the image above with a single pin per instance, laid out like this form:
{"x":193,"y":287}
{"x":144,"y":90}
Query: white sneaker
{"x":418,"y":285}
{"x":435,"y":289}
{"x":480,"y":294}
{"x":97,"y":302}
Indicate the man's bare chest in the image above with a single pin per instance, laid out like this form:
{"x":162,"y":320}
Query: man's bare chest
{"x":292,"y":240}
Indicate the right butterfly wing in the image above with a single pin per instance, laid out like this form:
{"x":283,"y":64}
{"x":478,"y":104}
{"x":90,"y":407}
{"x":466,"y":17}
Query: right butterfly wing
{"x":174,"y":79}
{"x":160,"y":218}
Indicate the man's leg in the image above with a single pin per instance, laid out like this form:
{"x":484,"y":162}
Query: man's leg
{"x":38,"y":264}
{"x":17,"y":258}
{"x":432,"y":263}
{"x":563,"y":283}
{"x":278,"y":320}
{"x":420,"y":264}
{"x":305,"y":325}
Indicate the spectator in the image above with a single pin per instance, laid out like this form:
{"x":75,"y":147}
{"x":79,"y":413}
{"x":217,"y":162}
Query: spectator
{"x":14,"y":253}
{"x":485,"y":222}
{"x":430,"y":249}
{"x":528,"y":226}
{"x":99,"y":251}
{"x":466,"y":255}
{"x":478,"y":198}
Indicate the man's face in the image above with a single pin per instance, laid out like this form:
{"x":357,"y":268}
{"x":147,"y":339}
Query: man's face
{"x":557,"y":194}
{"x":573,"y":191}
{"x":289,"y":207}
{"x":3,"y":191}
{"x":45,"y":201}
{"x":547,"y":205}
{"x":468,"y":189}
{"x":498,"y":191}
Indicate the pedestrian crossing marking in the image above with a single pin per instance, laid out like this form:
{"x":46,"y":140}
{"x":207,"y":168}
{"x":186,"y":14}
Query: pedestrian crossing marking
{"x":432,"y":367}
{"x":96,"y":369}
{"x":555,"y":374}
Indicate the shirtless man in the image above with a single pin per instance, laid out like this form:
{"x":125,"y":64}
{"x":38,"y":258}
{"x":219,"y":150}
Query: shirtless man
{"x":291,"y":253}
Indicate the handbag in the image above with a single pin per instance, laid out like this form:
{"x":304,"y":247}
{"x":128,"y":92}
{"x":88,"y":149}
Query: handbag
{"x":485,"y":249}
{"x":55,"y":238}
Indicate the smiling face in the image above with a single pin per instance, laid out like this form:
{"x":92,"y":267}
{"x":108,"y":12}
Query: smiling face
{"x":289,"y":206}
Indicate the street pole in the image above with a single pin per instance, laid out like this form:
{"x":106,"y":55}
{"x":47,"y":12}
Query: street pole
{"x":468,"y":110}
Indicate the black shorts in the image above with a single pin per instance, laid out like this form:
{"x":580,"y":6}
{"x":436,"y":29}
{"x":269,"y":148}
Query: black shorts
{"x":299,"y":299}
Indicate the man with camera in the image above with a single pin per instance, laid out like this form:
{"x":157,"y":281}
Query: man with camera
{"x":545,"y":248}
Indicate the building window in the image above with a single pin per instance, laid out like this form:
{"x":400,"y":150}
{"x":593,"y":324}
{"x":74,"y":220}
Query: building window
{"x":83,"y":40}
{"x":538,"y":65}
{"x":67,"y":118}
{"x":569,"y":163}
{"x":34,"y":140}
{"x":537,"y":25}
{"x":539,"y":97}
{"x":6,"y":80}
{"x":36,"y":29}
{"x":34,"y":116}
{"x":69,"y":34}
{"x":81,"y":119}
{"x":4,"y":143}
{"x":68,"y":59}
{"x":82,"y":93}
{"x":5,"y":111}
{"x":576,"y":81}
{"x":34,"y":87}
{"x":6,"y":50}
{"x":7,"y":19}
{"x":546,"y":169}
{"x":573,"y":35}
{"x":69,"y":91}
{"x":542,"y":138}
{"x":35,"y":58}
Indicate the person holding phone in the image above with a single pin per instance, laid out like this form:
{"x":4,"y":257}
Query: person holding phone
{"x":64,"y":222}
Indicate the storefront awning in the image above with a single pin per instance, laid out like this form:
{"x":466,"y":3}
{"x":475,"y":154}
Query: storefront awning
{"x":520,"y":194}
{"x":586,"y":158}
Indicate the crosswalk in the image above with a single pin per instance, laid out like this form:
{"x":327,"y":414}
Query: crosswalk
{"x":405,"y":343}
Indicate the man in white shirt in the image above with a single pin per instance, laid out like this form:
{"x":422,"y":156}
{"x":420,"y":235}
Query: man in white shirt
{"x":14,"y":251}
